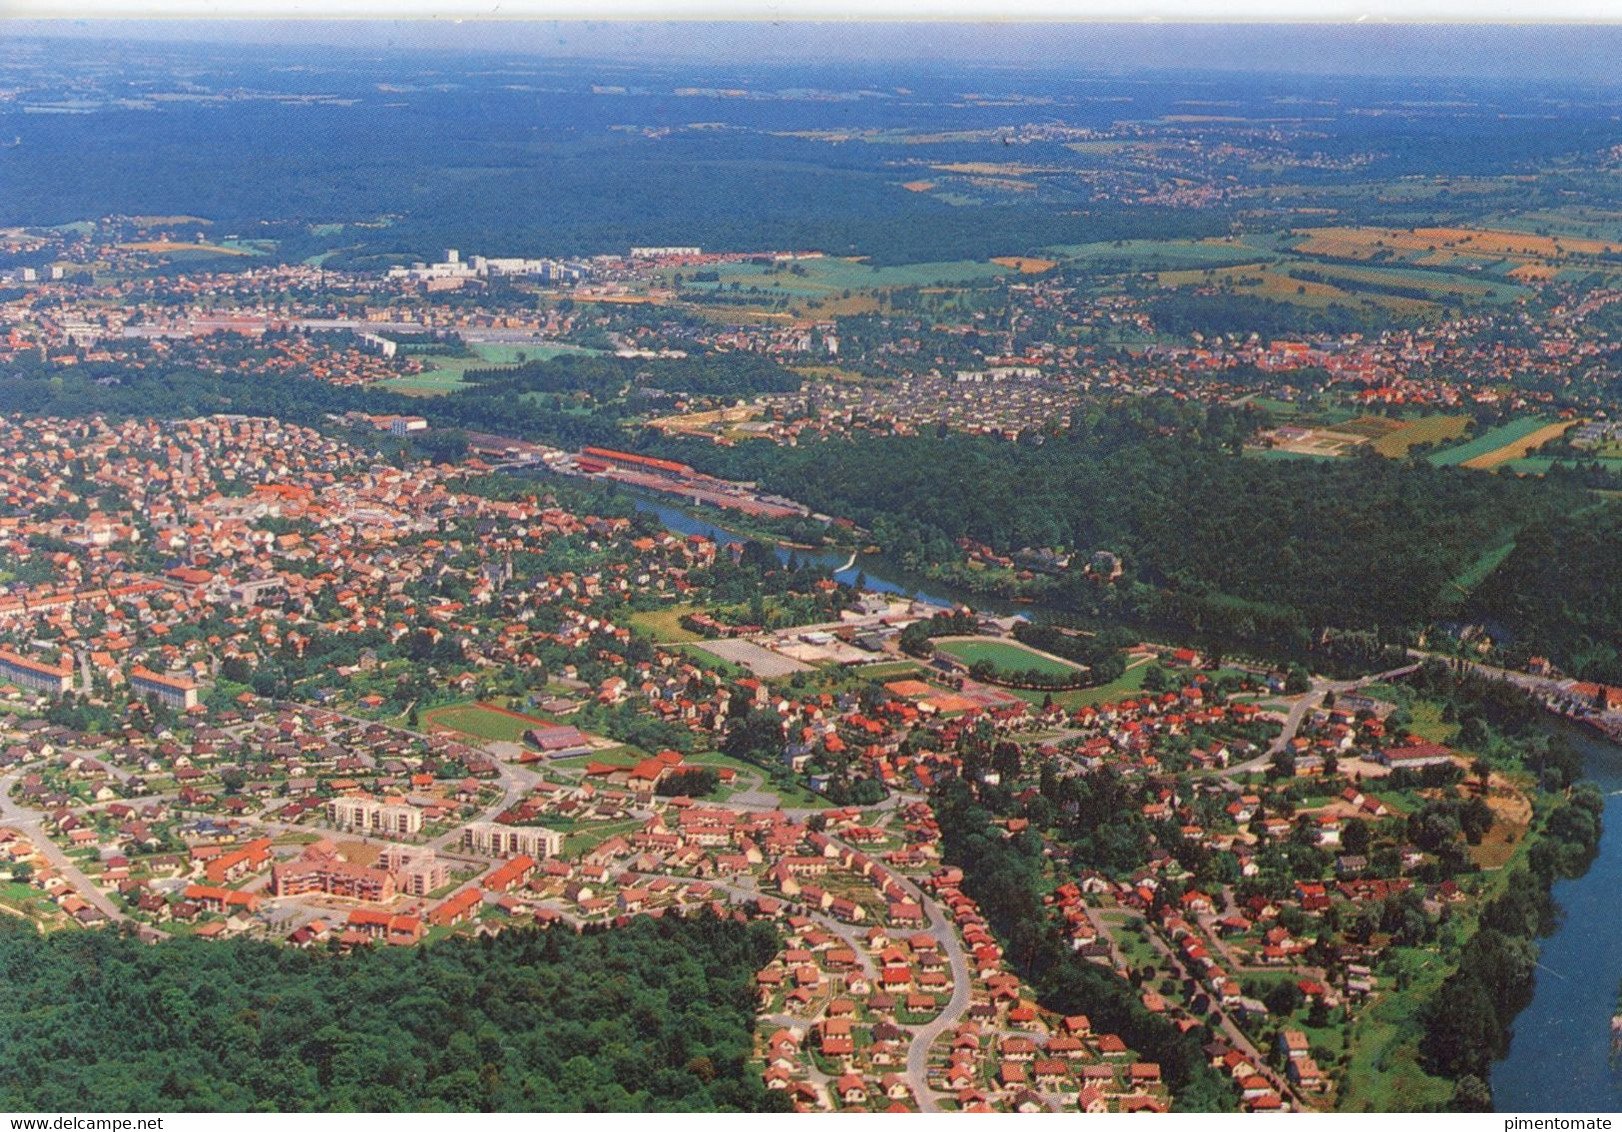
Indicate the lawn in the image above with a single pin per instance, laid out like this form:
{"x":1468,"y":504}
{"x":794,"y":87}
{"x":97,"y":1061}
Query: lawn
{"x":443,"y":375}
{"x":485,"y":721}
{"x":664,"y":625}
{"x":1384,"y":1075}
{"x":1426,"y":721}
{"x":1007,"y":657}
{"x":31,"y":903}
{"x":590,"y":836}
{"x":1134,"y":944}
{"x":1129,"y":684}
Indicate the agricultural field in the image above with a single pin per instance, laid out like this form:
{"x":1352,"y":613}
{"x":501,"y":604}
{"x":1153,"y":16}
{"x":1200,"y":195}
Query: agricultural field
{"x":1449,"y":243}
{"x":1025,"y":265}
{"x":1008,"y":657}
{"x":1417,"y":430}
{"x":1582,"y":222}
{"x":1521,"y":446}
{"x":1436,"y":286}
{"x":1277,"y":282}
{"x":166,"y":247}
{"x":1165,"y":255}
{"x":1396,"y":269}
{"x":829,"y":277}
{"x":1370,"y":428}
{"x":483,"y":721}
{"x":1506,"y":442}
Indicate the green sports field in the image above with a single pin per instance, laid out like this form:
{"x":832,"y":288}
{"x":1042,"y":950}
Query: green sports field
{"x":1008,"y":657}
{"x":483,"y":722}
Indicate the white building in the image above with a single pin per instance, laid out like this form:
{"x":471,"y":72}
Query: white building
{"x":369,"y":815}
{"x":510,"y":840}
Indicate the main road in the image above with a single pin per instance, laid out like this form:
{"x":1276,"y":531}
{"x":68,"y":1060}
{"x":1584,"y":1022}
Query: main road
{"x":1305,"y":704}
{"x":32,"y":823}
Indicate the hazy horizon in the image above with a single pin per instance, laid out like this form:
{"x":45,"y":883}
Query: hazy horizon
{"x":1546,"y":52}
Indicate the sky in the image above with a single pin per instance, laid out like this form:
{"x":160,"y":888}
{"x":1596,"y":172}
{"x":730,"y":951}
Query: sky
{"x":1583,"y":53}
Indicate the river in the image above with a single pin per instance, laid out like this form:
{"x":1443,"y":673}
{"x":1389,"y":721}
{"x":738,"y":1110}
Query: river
{"x":1560,"y":1057}
{"x":881,"y":575}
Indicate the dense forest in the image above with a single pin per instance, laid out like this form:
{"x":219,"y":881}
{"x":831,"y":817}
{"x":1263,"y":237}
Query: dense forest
{"x":654,"y":1017}
{"x":383,"y":159}
{"x":1555,"y":596}
{"x":1266,"y":551}
{"x":1186,"y":314}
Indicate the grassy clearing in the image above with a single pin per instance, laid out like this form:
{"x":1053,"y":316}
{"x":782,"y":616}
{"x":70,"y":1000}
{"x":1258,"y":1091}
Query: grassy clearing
{"x":446,"y":374}
{"x":1133,"y":942}
{"x":1537,"y":465}
{"x":1425,"y":720}
{"x":1273,"y":281}
{"x":588,"y":838}
{"x":1384,"y":1074}
{"x":166,"y":246}
{"x":1437,"y":285}
{"x":1481,"y":567}
{"x":664,"y":625}
{"x":1025,"y":265}
{"x":831,"y":276}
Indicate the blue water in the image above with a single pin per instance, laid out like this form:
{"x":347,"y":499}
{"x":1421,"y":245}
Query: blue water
{"x":1560,"y":1058}
{"x":687,"y":523}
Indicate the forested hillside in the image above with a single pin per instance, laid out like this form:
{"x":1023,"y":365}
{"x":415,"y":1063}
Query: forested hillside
{"x":653,"y":1017}
{"x":1556,"y":594}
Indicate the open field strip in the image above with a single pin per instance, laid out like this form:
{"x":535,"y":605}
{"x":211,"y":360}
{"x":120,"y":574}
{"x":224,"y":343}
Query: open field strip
{"x":1531,"y":442}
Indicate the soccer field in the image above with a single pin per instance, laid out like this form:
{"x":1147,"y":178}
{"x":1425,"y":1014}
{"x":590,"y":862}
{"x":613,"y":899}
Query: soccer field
{"x":1008,"y":657}
{"x":483,"y":721}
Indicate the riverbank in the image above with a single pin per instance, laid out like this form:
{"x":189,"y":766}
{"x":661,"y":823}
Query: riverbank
{"x":1561,"y":1059}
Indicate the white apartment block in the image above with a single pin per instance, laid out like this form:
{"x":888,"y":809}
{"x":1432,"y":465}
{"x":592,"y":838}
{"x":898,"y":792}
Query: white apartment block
{"x":510,"y":840}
